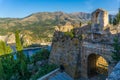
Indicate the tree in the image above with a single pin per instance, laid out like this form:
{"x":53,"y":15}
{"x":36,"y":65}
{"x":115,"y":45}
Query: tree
{"x":1,"y":71}
{"x":116,"y":51}
{"x":8,"y":49}
{"x":80,"y":24}
{"x":19,"y":47}
{"x":116,"y":19}
{"x":111,"y":20}
{"x":21,"y":58}
{"x":18,"y":41}
{"x":4,"y":49}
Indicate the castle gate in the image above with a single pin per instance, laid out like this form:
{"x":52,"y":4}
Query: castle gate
{"x":95,"y":59}
{"x":97,"y":65}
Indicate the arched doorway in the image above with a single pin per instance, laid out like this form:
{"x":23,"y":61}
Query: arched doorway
{"x":97,"y":65}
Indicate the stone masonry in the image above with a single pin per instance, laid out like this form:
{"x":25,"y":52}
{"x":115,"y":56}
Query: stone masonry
{"x":73,"y":52}
{"x":99,"y":19}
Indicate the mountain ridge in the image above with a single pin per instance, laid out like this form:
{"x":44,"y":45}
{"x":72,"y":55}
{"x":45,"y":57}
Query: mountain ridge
{"x":39,"y":27}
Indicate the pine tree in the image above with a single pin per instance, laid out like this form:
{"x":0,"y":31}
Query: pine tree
{"x":116,"y":52}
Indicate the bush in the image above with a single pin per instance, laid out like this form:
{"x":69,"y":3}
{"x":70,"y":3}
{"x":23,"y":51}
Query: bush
{"x":70,"y":34}
{"x":14,"y":68}
{"x":40,"y":55}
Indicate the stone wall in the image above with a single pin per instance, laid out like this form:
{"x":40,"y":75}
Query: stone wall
{"x":73,"y":52}
{"x":99,"y":19}
{"x":94,"y":48}
{"x":65,"y":52}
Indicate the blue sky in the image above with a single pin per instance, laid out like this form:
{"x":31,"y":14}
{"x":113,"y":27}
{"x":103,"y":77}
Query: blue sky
{"x":22,"y":8}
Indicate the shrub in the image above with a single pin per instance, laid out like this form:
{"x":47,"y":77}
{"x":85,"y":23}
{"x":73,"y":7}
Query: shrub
{"x":40,"y":55}
{"x":70,"y":34}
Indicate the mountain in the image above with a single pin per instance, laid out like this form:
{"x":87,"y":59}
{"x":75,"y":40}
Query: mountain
{"x":39,"y":27}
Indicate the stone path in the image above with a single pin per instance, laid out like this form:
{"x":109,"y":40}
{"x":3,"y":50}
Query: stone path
{"x":61,"y":76}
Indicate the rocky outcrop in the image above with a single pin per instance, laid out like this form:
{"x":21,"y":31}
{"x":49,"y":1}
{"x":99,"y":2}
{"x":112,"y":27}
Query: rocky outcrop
{"x":66,"y":28}
{"x":9,"y":39}
{"x":2,"y":38}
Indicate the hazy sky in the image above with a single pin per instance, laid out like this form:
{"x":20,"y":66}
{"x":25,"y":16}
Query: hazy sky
{"x":22,"y":8}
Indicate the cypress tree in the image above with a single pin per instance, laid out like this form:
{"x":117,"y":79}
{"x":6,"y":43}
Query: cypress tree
{"x":18,"y":42}
{"x":20,"y":56}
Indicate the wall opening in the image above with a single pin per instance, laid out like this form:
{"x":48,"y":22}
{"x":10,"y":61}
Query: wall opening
{"x":97,"y":17}
{"x":97,"y":65}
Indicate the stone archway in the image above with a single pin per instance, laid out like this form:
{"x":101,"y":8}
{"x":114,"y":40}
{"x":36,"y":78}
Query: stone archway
{"x":97,"y":65}
{"x":97,"y":17}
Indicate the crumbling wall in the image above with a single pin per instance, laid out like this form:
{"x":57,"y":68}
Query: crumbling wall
{"x":73,"y":52}
{"x":65,"y":51}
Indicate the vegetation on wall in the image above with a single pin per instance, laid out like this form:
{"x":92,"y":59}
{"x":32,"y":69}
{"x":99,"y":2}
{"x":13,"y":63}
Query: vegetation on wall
{"x":69,"y":33}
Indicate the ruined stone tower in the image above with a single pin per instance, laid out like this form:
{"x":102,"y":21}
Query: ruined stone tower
{"x":99,"y":20}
